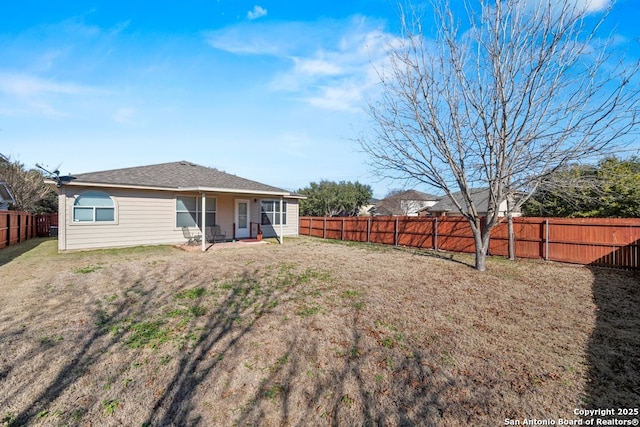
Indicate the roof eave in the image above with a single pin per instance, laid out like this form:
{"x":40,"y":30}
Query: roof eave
{"x":179,"y":189}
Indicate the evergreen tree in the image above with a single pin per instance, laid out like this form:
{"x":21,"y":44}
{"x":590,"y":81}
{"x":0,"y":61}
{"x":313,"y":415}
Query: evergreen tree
{"x":329,"y":198}
{"x":609,"y":189}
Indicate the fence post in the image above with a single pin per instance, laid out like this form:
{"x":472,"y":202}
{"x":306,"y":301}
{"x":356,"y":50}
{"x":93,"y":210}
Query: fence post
{"x":546,"y":239}
{"x":435,"y":233}
{"x":368,"y":229}
{"x":342,"y":231}
{"x":511,"y":238}
{"x":310,"y":226}
{"x":324,"y":228}
{"x":8,"y":229}
{"x":395,"y":233}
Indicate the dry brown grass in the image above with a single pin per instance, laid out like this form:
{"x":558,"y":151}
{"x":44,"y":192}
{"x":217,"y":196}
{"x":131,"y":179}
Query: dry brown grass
{"x":309,"y":333}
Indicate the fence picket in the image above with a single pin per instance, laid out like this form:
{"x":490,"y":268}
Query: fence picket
{"x":16,"y":226}
{"x":611,"y":242}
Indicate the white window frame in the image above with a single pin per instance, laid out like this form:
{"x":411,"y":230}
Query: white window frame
{"x":198,"y":211}
{"x":275,"y":213}
{"x":94,"y":216}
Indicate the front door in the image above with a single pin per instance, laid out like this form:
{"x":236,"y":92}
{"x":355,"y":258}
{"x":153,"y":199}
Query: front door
{"x":242,"y":219}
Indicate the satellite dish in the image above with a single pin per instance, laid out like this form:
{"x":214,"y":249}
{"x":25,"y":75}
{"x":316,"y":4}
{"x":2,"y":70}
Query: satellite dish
{"x":55,"y":175}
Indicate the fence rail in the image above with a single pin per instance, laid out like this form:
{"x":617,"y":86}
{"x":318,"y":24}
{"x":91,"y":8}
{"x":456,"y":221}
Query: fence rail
{"x":611,"y":242}
{"x":16,"y":226}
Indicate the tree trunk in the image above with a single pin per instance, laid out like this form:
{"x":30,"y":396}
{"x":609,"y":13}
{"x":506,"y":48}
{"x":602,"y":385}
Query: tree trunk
{"x":481,"y":238}
{"x":481,"y":259}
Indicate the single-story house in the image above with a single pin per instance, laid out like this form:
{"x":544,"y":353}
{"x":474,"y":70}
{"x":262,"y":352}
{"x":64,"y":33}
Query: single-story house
{"x":405,"y":203}
{"x":480,"y":197}
{"x":150,"y":205}
{"x":6,"y":198}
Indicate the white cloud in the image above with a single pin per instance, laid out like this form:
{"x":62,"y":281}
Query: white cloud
{"x":344,"y":98}
{"x":25,"y":85}
{"x":338,"y":77}
{"x":282,"y":40}
{"x":588,"y":6}
{"x":330,"y":62}
{"x":317,"y":66}
{"x":30,"y":94}
{"x":257,"y":12}
{"x":594,"y":5}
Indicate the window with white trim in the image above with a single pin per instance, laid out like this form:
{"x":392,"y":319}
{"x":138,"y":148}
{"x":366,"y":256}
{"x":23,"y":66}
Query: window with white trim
{"x":94,"y":206}
{"x":189,"y":211}
{"x":270,"y":212}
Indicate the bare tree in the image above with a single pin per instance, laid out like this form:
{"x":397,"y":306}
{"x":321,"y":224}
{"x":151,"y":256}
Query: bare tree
{"x":503,"y":94}
{"x":30,"y":192}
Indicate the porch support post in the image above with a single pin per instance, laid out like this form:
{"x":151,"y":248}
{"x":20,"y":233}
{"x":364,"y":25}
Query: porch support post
{"x":281,"y":221}
{"x":62,"y":220}
{"x":203,"y":221}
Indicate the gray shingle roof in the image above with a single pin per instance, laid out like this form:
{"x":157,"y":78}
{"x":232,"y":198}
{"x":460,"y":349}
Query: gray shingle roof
{"x":178,"y":175}
{"x":416,"y":195}
{"x":480,"y":197}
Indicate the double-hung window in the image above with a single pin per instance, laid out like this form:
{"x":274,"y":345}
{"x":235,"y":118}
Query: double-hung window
{"x":94,"y":206}
{"x":270,"y":212}
{"x":189,"y":211}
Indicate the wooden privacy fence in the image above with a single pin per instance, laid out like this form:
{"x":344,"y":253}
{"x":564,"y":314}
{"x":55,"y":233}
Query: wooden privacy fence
{"x":609,"y":242}
{"x":16,"y":226}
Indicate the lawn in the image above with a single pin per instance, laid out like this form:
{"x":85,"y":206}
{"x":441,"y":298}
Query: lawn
{"x":312,"y":332}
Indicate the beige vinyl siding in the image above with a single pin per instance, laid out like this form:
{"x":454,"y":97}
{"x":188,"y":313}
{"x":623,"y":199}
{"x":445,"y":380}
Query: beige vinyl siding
{"x":142,"y":218}
{"x":145,"y":217}
{"x":225,"y":213}
{"x":288,"y":229}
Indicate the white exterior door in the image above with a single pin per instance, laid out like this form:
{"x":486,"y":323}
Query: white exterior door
{"x":242,"y":219}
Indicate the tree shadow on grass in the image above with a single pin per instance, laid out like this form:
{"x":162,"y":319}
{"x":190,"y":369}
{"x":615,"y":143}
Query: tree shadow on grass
{"x":80,"y":358}
{"x":106,"y":337}
{"x":9,"y":253}
{"x":295,"y":390}
{"x":419,"y":249}
{"x":408,"y":390}
{"x":225,"y":326}
{"x":355,"y":371}
{"x":614,"y":347}
{"x":437,"y":254}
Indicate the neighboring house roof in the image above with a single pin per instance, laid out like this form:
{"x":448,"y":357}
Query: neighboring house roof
{"x":479,"y":196}
{"x":177,"y":176}
{"x":416,"y":195}
{"x":5,"y":194}
{"x":393,"y":205}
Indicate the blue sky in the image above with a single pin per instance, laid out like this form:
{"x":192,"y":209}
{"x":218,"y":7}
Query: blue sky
{"x":269,"y":90}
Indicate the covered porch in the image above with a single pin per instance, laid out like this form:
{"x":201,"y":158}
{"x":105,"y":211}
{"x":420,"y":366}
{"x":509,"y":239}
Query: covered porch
{"x":211,"y":247}
{"x":232,"y":217}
